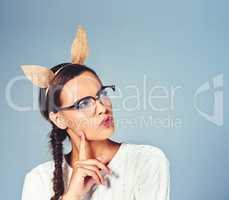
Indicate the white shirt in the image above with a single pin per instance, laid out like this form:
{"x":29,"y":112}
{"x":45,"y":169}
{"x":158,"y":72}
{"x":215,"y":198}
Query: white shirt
{"x":140,"y":172}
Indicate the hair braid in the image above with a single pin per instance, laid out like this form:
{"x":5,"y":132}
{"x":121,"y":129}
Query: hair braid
{"x":57,"y":136}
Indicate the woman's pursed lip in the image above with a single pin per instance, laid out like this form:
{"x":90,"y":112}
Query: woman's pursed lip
{"x":106,"y":119}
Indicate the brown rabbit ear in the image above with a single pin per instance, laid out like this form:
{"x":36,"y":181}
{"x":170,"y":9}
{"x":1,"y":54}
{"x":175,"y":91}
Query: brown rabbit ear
{"x":38,"y":75}
{"x":79,"y":50}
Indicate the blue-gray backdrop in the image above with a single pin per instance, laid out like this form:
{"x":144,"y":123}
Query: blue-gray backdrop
{"x":169,"y":60}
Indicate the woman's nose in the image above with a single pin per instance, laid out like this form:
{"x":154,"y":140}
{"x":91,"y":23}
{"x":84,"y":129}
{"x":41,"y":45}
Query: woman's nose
{"x":100,"y":108}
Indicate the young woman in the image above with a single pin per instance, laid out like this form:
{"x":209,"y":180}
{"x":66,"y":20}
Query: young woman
{"x":78,"y":107}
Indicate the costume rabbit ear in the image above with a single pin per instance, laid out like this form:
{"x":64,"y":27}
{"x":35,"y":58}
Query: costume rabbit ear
{"x":79,"y":50}
{"x":38,"y":75}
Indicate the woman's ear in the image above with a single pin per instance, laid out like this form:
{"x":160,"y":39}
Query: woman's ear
{"x":58,"y":120}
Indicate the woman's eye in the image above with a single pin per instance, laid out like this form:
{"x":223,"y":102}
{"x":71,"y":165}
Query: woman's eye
{"x":84,"y":104}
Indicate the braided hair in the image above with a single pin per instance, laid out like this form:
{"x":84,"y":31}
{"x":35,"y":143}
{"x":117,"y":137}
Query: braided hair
{"x":47,"y":103}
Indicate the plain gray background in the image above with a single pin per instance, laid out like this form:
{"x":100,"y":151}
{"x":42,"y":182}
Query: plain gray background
{"x":168,"y":43}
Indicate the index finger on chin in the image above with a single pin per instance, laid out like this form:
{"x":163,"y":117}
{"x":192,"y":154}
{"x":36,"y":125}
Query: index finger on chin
{"x":82,"y":148}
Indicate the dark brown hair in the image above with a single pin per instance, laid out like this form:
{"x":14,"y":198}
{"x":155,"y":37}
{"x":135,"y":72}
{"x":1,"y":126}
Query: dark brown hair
{"x":48,"y":103}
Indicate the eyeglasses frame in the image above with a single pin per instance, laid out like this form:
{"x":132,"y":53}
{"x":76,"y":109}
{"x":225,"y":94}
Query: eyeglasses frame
{"x":76,"y":104}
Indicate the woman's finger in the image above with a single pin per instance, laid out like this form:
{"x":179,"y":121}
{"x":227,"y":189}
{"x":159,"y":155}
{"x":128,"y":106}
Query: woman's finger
{"x":82,"y":148}
{"x":87,"y":172}
{"x":85,"y":151}
{"x":95,"y":162}
{"x":93,"y":168}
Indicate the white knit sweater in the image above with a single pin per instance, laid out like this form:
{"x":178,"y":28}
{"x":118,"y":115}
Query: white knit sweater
{"x":140,"y":172}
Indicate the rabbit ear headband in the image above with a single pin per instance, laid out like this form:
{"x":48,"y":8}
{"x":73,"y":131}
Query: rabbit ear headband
{"x":42,"y":76}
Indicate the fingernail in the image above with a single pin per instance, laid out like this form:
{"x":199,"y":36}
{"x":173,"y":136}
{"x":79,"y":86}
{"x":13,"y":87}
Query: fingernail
{"x":82,"y":136}
{"x":80,"y":133}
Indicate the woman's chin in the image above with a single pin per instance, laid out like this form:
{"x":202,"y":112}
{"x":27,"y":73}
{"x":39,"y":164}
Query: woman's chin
{"x":108,"y":131}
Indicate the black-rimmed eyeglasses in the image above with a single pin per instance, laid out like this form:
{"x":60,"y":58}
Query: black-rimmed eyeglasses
{"x":88,"y":104}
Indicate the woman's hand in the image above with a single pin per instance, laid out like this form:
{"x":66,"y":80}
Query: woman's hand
{"x":86,"y":172}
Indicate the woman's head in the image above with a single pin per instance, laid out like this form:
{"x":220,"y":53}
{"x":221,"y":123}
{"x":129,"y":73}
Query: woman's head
{"x":71,"y":84}
{"x":74,"y":82}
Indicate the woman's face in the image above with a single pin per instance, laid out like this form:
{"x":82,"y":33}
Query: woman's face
{"x":75,"y":89}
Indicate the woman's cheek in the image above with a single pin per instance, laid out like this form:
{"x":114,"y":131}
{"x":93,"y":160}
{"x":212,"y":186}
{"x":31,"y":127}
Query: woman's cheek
{"x":75,"y":120}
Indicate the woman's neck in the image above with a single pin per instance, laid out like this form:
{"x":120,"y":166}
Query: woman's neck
{"x":104,"y":149}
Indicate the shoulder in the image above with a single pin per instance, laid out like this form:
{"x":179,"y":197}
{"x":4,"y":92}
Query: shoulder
{"x":147,"y":156}
{"x":41,"y":172}
{"x":41,"y":168}
{"x":149,"y":152}
{"x":37,"y":181}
